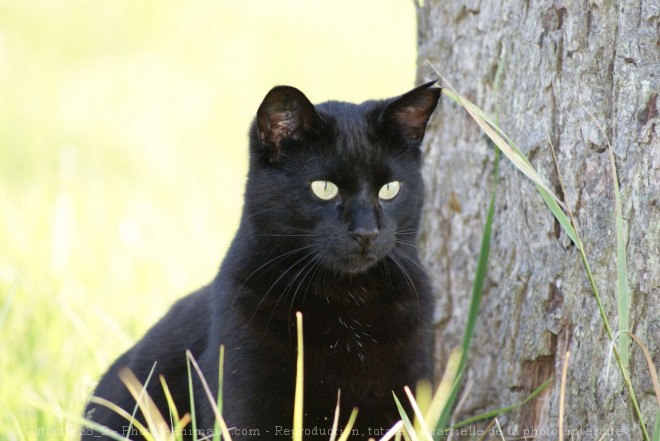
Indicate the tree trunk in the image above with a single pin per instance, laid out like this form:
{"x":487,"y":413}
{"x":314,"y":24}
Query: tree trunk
{"x":560,"y":60}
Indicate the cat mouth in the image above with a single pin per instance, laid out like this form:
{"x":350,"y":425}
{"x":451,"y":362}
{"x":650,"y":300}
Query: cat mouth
{"x":353,"y":259}
{"x":357,"y":263}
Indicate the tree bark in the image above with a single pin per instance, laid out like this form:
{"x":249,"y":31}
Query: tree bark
{"x":560,"y":60}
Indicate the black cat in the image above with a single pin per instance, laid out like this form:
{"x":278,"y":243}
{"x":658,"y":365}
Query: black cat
{"x":329,"y":228}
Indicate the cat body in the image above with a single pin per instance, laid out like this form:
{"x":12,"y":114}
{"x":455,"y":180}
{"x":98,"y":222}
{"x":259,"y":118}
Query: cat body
{"x":329,"y":227}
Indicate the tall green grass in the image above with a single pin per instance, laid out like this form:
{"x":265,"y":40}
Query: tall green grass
{"x":158,"y":428}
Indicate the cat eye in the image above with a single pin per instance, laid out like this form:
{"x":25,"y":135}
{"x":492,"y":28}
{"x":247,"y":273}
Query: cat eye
{"x":389,"y":190}
{"x":324,"y":190}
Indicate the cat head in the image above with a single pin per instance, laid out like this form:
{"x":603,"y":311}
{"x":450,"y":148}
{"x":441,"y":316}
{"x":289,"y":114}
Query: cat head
{"x":339,"y":182}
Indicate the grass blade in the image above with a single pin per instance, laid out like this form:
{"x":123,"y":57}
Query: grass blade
{"x":423,"y":429}
{"x":394,"y":430}
{"x":499,"y":429}
{"x":192,"y":400}
{"x":601,"y":310}
{"x":335,"y":420}
{"x":298,"y":403}
{"x":561,"y":217}
{"x":121,"y":412}
{"x":221,"y":364}
{"x":475,"y":302}
{"x":482,"y":268}
{"x":623,"y":293}
{"x":144,"y":389}
{"x":423,"y":398}
{"x":349,"y":425}
{"x":155,"y":421}
{"x":406,"y":421}
{"x":178,"y":423}
{"x":494,"y":413}
{"x":514,"y":154}
{"x":562,"y":395}
{"x":223,"y":426}
{"x":608,"y":329}
{"x":649,"y":363}
{"x":656,"y":428}
{"x":174,"y":413}
{"x":84,"y":424}
{"x":444,"y":390}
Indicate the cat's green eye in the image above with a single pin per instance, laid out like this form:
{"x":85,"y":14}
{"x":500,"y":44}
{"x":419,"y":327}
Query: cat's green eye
{"x":389,"y":190}
{"x":324,"y":190}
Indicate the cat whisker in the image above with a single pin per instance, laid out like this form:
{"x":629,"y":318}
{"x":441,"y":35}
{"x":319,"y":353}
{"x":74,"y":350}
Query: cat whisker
{"x":404,"y":271}
{"x":407,"y":232}
{"x":317,"y":267}
{"x":405,"y":242}
{"x":284,"y":273}
{"x":322,"y":276}
{"x":295,"y":278}
{"x":270,"y":262}
{"x":288,"y":227}
{"x":266,"y":210}
{"x":317,"y":274}
{"x":308,"y":267}
{"x":286,"y":235}
{"x":410,"y":260}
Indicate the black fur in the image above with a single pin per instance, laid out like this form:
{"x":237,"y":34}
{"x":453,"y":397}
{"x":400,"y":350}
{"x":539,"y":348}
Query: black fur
{"x":349,"y":265}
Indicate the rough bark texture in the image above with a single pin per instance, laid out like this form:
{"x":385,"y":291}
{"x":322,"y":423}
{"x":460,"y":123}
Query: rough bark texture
{"x":560,"y":59}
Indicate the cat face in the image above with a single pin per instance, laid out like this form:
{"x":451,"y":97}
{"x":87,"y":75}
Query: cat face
{"x":338,"y":183}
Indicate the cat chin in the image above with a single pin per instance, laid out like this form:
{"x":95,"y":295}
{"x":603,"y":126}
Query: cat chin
{"x":355,"y":265}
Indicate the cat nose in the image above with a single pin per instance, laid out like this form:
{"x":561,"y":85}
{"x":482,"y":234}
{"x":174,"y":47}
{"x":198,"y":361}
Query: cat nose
{"x":363,"y":224}
{"x":365,"y":235}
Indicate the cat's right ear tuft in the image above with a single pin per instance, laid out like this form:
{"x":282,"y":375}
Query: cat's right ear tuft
{"x":409,"y":114}
{"x":284,"y":115}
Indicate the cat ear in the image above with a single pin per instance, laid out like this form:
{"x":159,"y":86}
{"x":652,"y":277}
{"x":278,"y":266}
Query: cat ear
{"x":285,"y":113}
{"x":410,"y":113}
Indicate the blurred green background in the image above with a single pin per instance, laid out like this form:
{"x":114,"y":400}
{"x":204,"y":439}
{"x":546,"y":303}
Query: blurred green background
{"x":123,"y":157}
